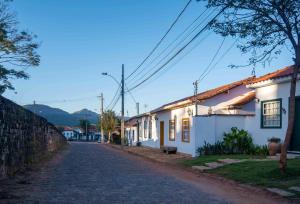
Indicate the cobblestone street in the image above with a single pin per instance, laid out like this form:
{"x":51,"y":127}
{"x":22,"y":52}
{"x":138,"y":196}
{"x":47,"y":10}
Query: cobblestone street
{"x":95,"y":173}
{"x":92,"y":173}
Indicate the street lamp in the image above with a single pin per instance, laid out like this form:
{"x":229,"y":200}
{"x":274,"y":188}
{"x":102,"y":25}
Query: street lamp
{"x":111,"y":76}
{"x":120,"y":84}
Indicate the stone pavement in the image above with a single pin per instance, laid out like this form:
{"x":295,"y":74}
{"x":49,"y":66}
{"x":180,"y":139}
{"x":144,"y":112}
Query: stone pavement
{"x":93,"y":173}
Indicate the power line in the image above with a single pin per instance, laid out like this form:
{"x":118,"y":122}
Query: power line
{"x":213,"y":59}
{"x":130,"y":94}
{"x":178,"y":52}
{"x":114,"y":98}
{"x":224,"y":54}
{"x":115,"y":103}
{"x":160,"y":41}
{"x":179,"y":59}
{"x":177,"y":45}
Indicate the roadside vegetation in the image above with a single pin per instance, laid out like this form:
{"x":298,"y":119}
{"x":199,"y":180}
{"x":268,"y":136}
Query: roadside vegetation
{"x":262,"y":173}
{"x":234,"y":142}
{"x":254,"y":167}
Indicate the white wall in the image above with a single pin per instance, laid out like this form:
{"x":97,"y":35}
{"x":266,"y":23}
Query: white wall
{"x":184,"y":147}
{"x":68,"y":134}
{"x":270,"y":92}
{"x":222,"y":100}
{"x":210,"y":129}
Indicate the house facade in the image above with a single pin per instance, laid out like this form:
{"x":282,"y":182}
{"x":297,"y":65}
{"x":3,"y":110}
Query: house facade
{"x":189,"y":122}
{"x":258,"y":105}
{"x":68,"y":133}
{"x":272,"y":108}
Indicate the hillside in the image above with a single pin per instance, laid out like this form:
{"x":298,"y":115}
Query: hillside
{"x":61,"y":117}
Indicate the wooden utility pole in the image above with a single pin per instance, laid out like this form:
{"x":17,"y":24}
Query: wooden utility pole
{"x":122,"y":112}
{"x":101,"y":117}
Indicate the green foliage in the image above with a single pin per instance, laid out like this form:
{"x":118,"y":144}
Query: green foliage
{"x":262,"y":173}
{"x":212,"y":149}
{"x":109,"y":121}
{"x":17,"y":49}
{"x":235,"y":142}
{"x":258,"y":150}
{"x":263,"y":27}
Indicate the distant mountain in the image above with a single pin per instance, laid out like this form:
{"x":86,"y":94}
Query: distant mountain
{"x":86,"y":114}
{"x":61,"y":117}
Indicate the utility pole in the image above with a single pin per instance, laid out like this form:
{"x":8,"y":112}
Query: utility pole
{"x":122,"y":112}
{"x":195,"y":94}
{"x":101,"y":117}
{"x":137,"y":108}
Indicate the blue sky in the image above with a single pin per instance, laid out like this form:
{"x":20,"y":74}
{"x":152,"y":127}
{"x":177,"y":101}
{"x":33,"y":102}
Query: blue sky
{"x":81,"y":39}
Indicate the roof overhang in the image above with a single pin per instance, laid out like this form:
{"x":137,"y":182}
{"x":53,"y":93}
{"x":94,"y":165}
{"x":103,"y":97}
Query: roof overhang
{"x":271,"y":82}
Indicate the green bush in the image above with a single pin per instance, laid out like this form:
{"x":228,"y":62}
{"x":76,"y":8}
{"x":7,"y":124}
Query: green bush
{"x":210,"y":149}
{"x":235,"y":142}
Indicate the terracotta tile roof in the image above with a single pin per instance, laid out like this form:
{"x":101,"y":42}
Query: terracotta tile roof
{"x":246,"y":98}
{"x":67,"y":128}
{"x":204,"y":95}
{"x":287,"y":71}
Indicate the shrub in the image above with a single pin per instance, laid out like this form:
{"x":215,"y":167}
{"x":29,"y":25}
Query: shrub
{"x":237,"y":141}
{"x":209,"y":149}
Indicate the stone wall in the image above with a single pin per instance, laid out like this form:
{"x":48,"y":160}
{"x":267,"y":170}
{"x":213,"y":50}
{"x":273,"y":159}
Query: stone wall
{"x":24,"y":138}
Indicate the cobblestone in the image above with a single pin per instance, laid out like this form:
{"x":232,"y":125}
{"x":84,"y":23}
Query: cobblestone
{"x":92,"y":173}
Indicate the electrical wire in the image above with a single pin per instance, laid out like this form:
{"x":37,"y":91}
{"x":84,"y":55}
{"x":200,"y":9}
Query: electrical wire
{"x":161,"y":40}
{"x":115,"y":103}
{"x":176,"y":46}
{"x":114,"y":97}
{"x":213,"y":59}
{"x":224,"y":54}
{"x":178,"y":60}
{"x":178,"y":52}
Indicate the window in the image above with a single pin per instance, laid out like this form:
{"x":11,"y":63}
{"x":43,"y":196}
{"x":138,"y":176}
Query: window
{"x":172,"y":130}
{"x":185,"y":130}
{"x":271,"y":114}
{"x":145,"y":128}
{"x":150,"y":129}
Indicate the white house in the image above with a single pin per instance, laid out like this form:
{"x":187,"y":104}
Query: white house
{"x":68,"y":132}
{"x":271,"y":108}
{"x":258,"y":105}
{"x":177,"y":123}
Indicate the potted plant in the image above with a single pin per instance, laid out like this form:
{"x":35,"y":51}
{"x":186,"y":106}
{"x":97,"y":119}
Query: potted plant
{"x":274,"y":146}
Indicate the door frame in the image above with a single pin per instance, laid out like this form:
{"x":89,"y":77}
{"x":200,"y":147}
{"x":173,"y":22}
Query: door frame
{"x":291,"y":145}
{"x":161,"y":133}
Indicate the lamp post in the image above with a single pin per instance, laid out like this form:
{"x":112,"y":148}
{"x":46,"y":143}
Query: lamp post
{"x":122,"y":84}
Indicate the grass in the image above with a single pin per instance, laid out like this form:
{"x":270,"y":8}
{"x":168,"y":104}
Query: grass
{"x":263,"y":173}
{"x":199,"y":161}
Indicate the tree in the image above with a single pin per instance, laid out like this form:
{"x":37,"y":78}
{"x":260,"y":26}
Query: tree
{"x":85,"y":125}
{"x":263,"y":28}
{"x":17,"y":49}
{"x":108,"y":122}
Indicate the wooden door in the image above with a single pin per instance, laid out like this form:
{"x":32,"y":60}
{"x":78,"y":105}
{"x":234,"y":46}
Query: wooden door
{"x":162,"y":133}
{"x":295,"y":143}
